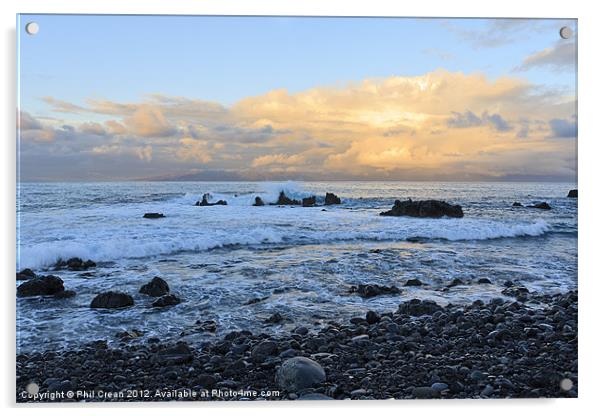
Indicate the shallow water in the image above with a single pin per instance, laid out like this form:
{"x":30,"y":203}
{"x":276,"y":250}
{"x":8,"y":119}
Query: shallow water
{"x":303,"y":259}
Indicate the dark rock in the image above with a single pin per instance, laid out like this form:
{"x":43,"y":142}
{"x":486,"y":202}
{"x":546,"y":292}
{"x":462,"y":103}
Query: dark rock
{"x":258,"y":202}
{"x":541,"y":205}
{"x":255,"y":300}
{"x":310,"y":201}
{"x":179,"y":354}
{"x":372,"y":317}
{"x":131,"y":334}
{"x":369,"y":291}
{"x":264,"y":349}
{"x":572,"y":193}
{"x":285,"y":200}
{"x":424,"y":393}
{"x":205,"y":202}
{"x":156,"y":287}
{"x":417,"y":307}
{"x":153,"y":215}
{"x":112,"y":300}
{"x":413,"y":282}
{"x":299,"y":373}
{"x":332,"y":199}
{"x":424,"y":209}
{"x":484,"y":281}
{"x":274,"y":319}
{"x":439,"y":387}
{"x":455,"y":282}
{"x":166,"y":300}
{"x":25,"y":274}
{"x":41,"y":286}
{"x":74,"y":264}
{"x":517,"y":204}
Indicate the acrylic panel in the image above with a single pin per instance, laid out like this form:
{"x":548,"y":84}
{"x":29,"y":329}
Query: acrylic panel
{"x":295,"y":208}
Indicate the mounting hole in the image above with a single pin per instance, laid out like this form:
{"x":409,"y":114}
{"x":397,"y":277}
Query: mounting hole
{"x":566,"y":32}
{"x":32,"y":28}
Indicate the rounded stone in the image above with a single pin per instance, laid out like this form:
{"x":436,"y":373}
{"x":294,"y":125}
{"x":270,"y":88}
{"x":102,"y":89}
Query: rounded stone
{"x":299,"y":373}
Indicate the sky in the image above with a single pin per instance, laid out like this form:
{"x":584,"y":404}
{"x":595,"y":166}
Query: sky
{"x":302,"y":98}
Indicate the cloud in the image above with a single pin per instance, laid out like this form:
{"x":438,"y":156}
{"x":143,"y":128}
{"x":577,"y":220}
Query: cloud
{"x":470,"y":119}
{"x":440,"y":124}
{"x":26,"y":122}
{"x":561,"y":57}
{"x":563,"y":128}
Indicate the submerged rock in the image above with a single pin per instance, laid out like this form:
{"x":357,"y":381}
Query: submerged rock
{"x":74,"y":264}
{"x":258,"y":202}
{"x":414,"y":282}
{"x":309,"y":201}
{"x":517,"y":204}
{"x":455,"y":282}
{"x":25,"y":274}
{"x":156,"y":287}
{"x":205,"y":202}
{"x":299,"y":373}
{"x":153,"y":215}
{"x":285,"y":200}
{"x":112,"y":300}
{"x":424,"y":209}
{"x":572,"y":193}
{"x":41,"y":286}
{"x":369,"y":291}
{"x":541,"y":205}
{"x":275,"y":318}
{"x":166,"y":300}
{"x":332,"y":199}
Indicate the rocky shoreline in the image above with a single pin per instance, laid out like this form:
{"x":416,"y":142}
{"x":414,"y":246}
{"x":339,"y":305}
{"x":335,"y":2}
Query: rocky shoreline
{"x":521,"y":348}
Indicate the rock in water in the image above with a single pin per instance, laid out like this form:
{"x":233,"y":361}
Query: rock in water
{"x":156,"y":287}
{"x":285,"y":200}
{"x":369,"y":291}
{"x":309,"y":201}
{"x":205,"y":202}
{"x":414,"y":282}
{"x":572,"y":193}
{"x":25,"y":274}
{"x":112,"y":300}
{"x":517,"y":204}
{"x":541,"y":205}
{"x":332,"y":199}
{"x":258,"y":202}
{"x":167,"y":300}
{"x":41,"y":286}
{"x":153,"y":215}
{"x":74,"y":263}
{"x":424,"y":209}
{"x":299,"y":373}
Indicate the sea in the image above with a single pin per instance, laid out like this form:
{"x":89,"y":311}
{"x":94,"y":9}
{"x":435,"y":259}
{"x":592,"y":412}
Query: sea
{"x":301,"y":262}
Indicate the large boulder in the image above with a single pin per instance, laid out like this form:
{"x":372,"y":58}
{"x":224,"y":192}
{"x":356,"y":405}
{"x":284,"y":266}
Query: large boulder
{"x":166,"y":300}
{"x":153,"y":215}
{"x":112,"y":300}
{"x":331,"y":199}
{"x":541,"y":205}
{"x":285,"y":200}
{"x":424,"y":209}
{"x":205,"y":202}
{"x":310,"y":201}
{"x":74,"y":264}
{"x":25,"y":274}
{"x":156,"y":287}
{"x":370,"y":291}
{"x":572,"y":193}
{"x":299,"y":373}
{"x":41,"y":286}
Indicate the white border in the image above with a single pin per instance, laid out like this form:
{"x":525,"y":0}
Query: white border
{"x":590,"y":232}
